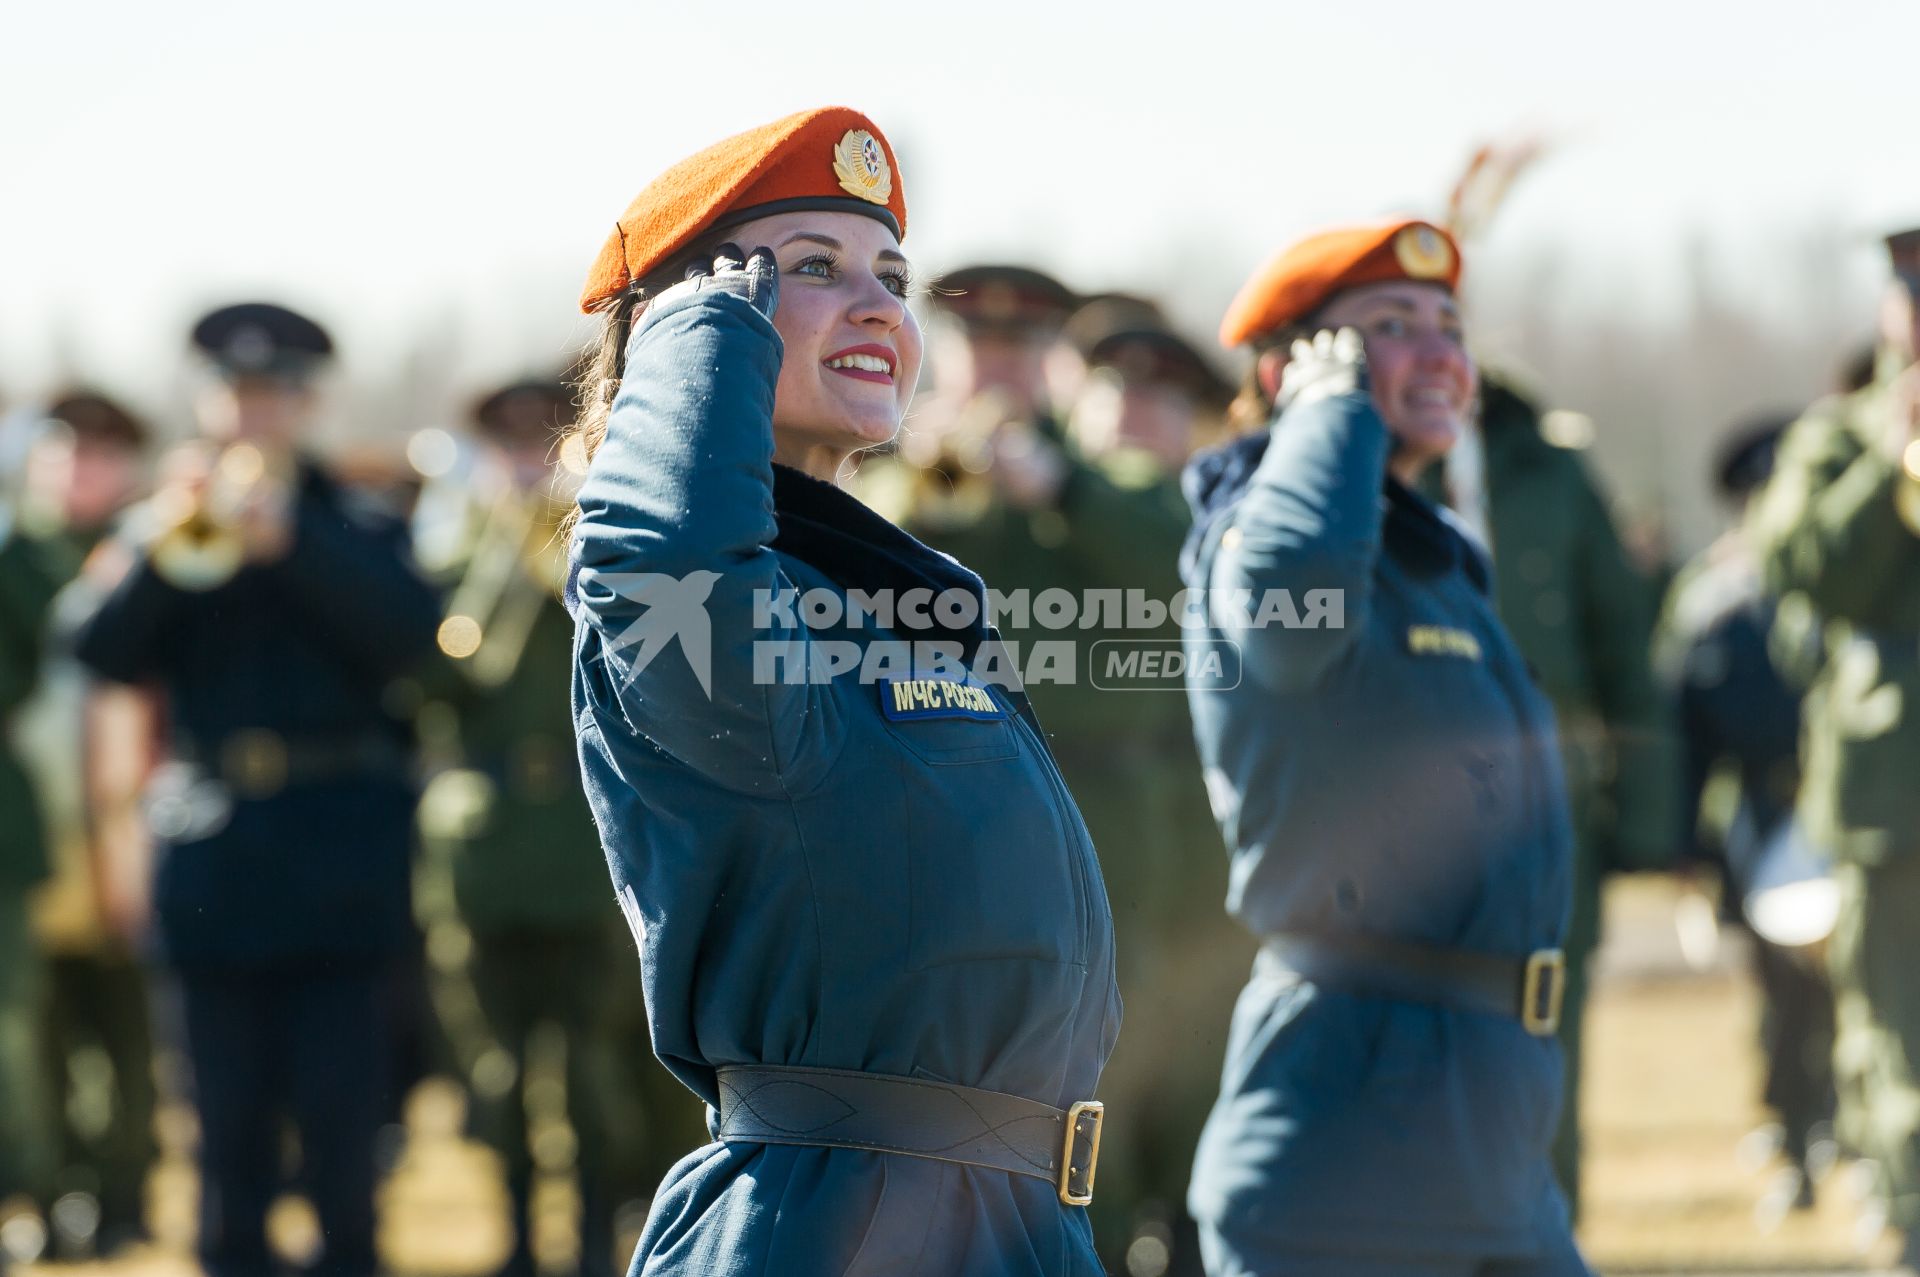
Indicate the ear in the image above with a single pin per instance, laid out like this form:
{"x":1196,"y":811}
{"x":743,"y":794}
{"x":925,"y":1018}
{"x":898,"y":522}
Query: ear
{"x":1267,"y":370}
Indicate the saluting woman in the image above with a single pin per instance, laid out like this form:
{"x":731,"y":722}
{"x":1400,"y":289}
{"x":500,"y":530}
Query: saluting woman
{"x":1386,"y":777}
{"x":871,"y":927}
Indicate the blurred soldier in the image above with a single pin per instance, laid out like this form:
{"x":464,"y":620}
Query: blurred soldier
{"x":1582,"y":615}
{"x":1838,"y":531}
{"x":990,"y":473}
{"x":1147,"y":399}
{"x":27,"y":586}
{"x":274,"y":612}
{"x":1739,"y":719}
{"x":508,"y":821}
{"x":90,"y":918}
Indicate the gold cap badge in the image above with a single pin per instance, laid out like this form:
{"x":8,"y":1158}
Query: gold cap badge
{"x":1423,"y":253}
{"x":861,"y":166}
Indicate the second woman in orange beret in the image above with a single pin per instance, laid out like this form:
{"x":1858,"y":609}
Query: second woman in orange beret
{"x":1386,"y":775}
{"x":871,"y":927}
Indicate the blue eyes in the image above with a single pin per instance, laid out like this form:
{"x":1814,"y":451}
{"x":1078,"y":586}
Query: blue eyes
{"x":1393,"y":326}
{"x":826,"y":266}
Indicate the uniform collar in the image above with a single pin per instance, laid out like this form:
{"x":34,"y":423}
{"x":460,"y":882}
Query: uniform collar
{"x":823,"y":525}
{"x":1428,"y":537}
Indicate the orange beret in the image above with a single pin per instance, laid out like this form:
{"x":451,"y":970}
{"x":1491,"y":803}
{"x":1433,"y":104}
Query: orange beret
{"x":1301,"y":279}
{"x":832,"y":158}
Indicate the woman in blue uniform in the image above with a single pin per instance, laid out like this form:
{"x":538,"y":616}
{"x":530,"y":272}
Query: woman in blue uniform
{"x":871,"y":926}
{"x":1384,"y":771}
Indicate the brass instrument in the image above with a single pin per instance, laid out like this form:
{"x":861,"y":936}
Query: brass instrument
{"x":200,"y":543}
{"x":949,"y":468}
{"x":518,"y":566}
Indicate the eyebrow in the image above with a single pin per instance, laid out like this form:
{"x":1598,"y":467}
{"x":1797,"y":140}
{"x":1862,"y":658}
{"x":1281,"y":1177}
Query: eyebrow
{"x":828,"y":241}
{"x":1450,"y":306}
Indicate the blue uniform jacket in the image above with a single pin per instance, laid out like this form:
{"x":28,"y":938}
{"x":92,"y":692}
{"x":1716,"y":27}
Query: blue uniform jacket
{"x":302,"y":651}
{"x":812,"y":881}
{"x":1395,"y":775}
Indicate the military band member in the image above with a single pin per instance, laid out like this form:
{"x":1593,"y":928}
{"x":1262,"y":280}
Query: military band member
{"x":1838,"y":533}
{"x":27,"y":585}
{"x":1386,"y":774}
{"x":507,"y":821}
{"x":88,"y":748}
{"x":273,"y":613}
{"x":871,"y":925}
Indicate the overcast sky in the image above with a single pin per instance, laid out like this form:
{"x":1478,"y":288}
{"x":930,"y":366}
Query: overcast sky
{"x":443,"y":173}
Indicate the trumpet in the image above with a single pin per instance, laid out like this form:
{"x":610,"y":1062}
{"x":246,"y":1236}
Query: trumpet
{"x":952,"y":464}
{"x":202,"y":541}
{"x":518,"y":567}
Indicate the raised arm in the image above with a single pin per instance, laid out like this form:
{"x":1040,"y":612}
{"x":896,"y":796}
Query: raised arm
{"x":1309,"y":520}
{"x":672,"y":559}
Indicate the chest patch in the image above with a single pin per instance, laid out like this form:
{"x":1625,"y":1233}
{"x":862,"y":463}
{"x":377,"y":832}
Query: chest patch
{"x":903,"y":699}
{"x":1442,"y":640}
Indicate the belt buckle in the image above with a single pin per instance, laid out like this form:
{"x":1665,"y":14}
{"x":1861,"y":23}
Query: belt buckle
{"x":1542,"y":991}
{"x":1097,"y":1111}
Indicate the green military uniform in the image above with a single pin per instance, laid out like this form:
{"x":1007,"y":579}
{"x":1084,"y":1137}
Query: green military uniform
{"x":1839,"y":531}
{"x":97,"y":1009}
{"x":26,"y":591}
{"x":520,"y":918}
{"x":98,"y":1031}
{"x":1583,"y":618}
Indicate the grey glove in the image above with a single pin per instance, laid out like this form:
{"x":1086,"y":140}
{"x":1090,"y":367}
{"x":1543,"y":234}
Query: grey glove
{"x":756,"y":278}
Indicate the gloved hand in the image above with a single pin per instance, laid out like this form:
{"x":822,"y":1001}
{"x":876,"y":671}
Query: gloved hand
{"x":1333,"y":363}
{"x":756,"y":278}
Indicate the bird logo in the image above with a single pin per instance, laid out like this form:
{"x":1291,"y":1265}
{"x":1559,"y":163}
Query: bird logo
{"x":861,"y":165}
{"x":672,"y":607}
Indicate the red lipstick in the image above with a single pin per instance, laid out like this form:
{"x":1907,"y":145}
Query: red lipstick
{"x":871,"y":350}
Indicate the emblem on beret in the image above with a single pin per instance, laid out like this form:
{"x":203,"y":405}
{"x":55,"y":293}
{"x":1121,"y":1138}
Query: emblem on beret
{"x":1423,"y":252}
{"x":861,"y":165}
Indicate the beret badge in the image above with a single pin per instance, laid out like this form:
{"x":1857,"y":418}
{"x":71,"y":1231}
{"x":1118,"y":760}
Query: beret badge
{"x":861,"y":166}
{"x":1423,"y":253}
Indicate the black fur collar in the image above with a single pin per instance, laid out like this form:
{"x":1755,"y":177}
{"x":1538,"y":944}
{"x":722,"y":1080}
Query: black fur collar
{"x":829,"y":528}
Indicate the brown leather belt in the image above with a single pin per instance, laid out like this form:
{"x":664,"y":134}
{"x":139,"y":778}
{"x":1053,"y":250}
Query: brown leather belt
{"x":840,"y":1108}
{"x":1529,"y":989}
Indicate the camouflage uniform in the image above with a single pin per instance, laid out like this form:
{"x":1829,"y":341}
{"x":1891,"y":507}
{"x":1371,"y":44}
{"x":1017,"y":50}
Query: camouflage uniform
{"x":1839,"y":532}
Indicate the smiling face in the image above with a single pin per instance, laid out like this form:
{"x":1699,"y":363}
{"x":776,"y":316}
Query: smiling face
{"x":853,"y":348}
{"x":1423,"y":378}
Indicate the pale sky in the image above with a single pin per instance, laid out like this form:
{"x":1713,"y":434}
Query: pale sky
{"x":432,"y":179}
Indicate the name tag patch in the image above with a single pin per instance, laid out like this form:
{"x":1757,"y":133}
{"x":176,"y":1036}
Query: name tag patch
{"x":1442,"y":640}
{"x":903,"y":699}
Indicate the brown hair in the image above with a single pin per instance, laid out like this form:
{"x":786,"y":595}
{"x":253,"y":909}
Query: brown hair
{"x":604,"y":364}
{"x":1252,"y":406}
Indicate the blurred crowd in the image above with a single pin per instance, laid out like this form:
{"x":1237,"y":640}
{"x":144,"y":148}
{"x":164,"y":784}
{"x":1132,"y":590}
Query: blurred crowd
{"x":288,"y":788}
